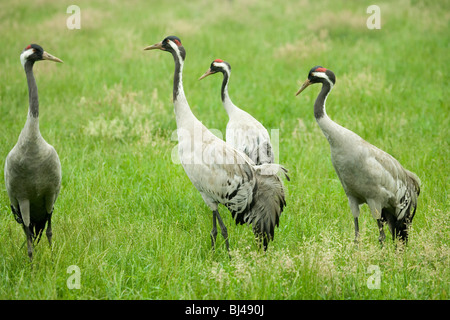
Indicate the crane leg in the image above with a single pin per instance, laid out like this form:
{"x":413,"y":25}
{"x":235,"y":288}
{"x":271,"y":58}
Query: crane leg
{"x":29,"y":241}
{"x":354,"y":206}
{"x":382,"y":235}
{"x":265,"y":243}
{"x":24,"y":208}
{"x":213,"y":231}
{"x":49,"y":201}
{"x":376,"y":210}
{"x":355,"y":220}
{"x":223,"y":229}
{"x":49,"y":232}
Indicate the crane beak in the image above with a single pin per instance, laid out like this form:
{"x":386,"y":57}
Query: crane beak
{"x":155,"y":46}
{"x":48,"y":56}
{"x":207,"y":73}
{"x":303,"y":87}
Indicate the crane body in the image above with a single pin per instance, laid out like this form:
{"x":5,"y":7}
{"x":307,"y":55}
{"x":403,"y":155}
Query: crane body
{"x":367,"y":173}
{"x":32,"y":167}
{"x":243,"y":131}
{"x":222,"y":174}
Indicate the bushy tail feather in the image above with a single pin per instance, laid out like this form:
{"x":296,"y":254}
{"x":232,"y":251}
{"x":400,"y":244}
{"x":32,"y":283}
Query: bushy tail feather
{"x":266,"y":212}
{"x":267,"y":205}
{"x":399,"y":224}
{"x":402,"y":226}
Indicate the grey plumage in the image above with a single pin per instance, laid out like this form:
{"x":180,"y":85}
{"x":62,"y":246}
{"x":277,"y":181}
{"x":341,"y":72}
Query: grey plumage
{"x":32,"y":167}
{"x":223,"y":175}
{"x":367,"y":173}
{"x":264,"y":212}
{"x":244,"y":132}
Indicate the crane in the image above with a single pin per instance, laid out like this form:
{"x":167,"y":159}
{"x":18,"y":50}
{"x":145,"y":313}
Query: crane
{"x":253,"y":194}
{"x":244,"y":132}
{"x":32,"y":167}
{"x":367,"y":174}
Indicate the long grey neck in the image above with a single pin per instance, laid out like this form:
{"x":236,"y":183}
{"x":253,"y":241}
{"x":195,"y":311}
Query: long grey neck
{"x":182,"y":110}
{"x":33,"y":98}
{"x":31,"y":132}
{"x":334,"y":133}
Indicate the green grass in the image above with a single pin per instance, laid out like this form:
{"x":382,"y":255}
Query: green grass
{"x":130,"y":219}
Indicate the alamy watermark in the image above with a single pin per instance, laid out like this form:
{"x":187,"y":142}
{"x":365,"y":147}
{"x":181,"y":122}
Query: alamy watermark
{"x":374,"y":20}
{"x":74,"y":280}
{"x":374,"y":280}
{"x":73,"y":21}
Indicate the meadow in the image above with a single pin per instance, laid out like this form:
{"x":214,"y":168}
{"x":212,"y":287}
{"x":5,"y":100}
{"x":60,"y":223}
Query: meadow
{"x":128,"y":217}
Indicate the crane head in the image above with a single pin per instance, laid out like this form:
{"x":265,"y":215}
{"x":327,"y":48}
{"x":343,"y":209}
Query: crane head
{"x":217,"y":65}
{"x":318,"y":74}
{"x":34,"y":52}
{"x":171,"y":44}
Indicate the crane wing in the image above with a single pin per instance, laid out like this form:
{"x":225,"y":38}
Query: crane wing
{"x":402,"y":185}
{"x":219,"y":172}
{"x":250,"y":137}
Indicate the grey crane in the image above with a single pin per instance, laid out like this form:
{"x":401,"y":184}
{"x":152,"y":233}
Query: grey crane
{"x":253,"y":194}
{"x":32,"y":167}
{"x":367,"y":174}
{"x":244,"y":132}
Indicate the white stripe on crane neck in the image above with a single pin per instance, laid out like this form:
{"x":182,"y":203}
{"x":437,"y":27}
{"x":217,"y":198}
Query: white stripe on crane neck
{"x":24,"y":56}
{"x":323,"y":76}
{"x":222,"y":65}
{"x":177,"y":50}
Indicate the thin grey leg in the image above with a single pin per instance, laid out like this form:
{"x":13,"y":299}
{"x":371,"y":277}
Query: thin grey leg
{"x":223,"y":230}
{"x":356,"y":229}
{"x":382,"y":235}
{"x":213,"y":231}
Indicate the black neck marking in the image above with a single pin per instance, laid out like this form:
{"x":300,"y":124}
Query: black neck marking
{"x":32,"y":90}
{"x":179,"y":60}
{"x":319,"y":105}
{"x":226,"y":78}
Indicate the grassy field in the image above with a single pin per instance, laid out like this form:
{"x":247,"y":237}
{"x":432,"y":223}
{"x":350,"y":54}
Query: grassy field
{"x":129,"y":218}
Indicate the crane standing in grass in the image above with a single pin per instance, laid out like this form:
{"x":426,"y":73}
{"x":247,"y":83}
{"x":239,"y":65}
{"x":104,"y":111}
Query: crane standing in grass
{"x":220,"y":173}
{"x":32,"y":167}
{"x":368,"y":174}
{"x":244,"y":132}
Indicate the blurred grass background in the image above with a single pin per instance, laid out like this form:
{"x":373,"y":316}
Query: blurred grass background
{"x":130,"y":219}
